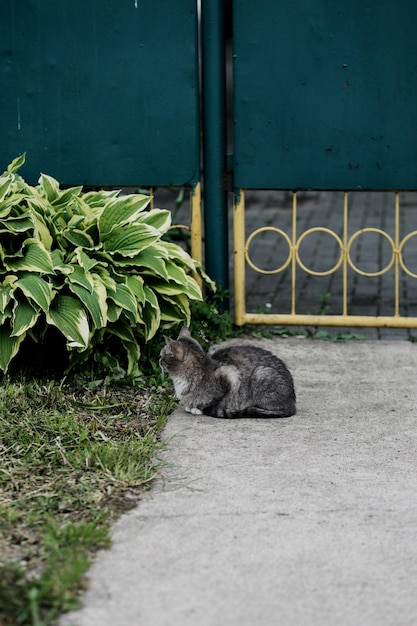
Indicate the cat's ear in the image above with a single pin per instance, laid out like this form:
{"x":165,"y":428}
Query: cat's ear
{"x":176,"y":348}
{"x":184,"y":332}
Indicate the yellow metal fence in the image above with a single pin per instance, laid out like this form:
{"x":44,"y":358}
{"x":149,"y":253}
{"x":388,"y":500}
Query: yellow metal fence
{"x":345,"y":264}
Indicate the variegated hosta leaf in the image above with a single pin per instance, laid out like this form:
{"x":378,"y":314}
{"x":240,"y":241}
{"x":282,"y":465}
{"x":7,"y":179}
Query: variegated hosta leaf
{"x":9,"y":346}
{"x":80,"y":277}
{"x":67,"y":196}
{"x":49,"y":186}
{"x":158,"y":218}
{"x":95,"y":301}
{"x":41,"y":230}
{"x":151,"y":313}
{"x":130,"y":240}
{"x":136,"y":286}
{"x":69,"y":316}
{"x":33,"y":257}
{"x":35,"y":288}
{"x":79,"y":238}
{"x":16,"y":164}
{"x":5,"y":295}
{"x":6,"y":184}
{"x":18,"y":224}
{"x":149,"y":259}
{"x":24,"y":317}
{"x":86,"y":262}
{"x":188,"y":284}
{"x":121,"y":211}
{"x":175,"y":311}
{"x":125,"y":298}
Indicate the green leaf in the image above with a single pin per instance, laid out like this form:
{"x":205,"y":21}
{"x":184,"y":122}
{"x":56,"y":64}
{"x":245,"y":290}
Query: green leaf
{"x":123,"y":329}
{"x":41,"y":230}
{"x":69,"y":316}
{"x":173,"y":314}
{"x":151,"y":313}
{"x":17,"y":224}
{"x":130,"y":240}
{"x":149,"y":259}
{"x":67,"y":195}
{"x":177,"y":254}
{"x":136,"y":284}
{"x":49,"y":186}
{"x":9,"y":346}
{"x":5,"y":295}
{"x":36,"y":288}
{"x":16,"y":164}
{"x":121,"y":211}
{"x":24,"y":317}
{"x":6,"y":184}
{"x":125,"y":298}
{"x":95,"y":301}
{"x":33,"y":257}
{"x":178,"y":275}
{"x":158,"y":218}
{"x":79,"y":238}
{"x":80,"y":277}
{"x":84,"y":260}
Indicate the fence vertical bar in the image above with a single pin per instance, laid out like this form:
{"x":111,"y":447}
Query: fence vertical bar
{"x":214,"y":141}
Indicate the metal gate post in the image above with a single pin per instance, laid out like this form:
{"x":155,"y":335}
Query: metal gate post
{"x":214,"y":141}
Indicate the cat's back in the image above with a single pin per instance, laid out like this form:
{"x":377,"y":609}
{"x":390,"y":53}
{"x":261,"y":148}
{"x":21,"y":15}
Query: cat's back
{"x":248,"y":357}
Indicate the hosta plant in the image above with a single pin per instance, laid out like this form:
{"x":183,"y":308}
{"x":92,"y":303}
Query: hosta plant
{"x":93,"y":265}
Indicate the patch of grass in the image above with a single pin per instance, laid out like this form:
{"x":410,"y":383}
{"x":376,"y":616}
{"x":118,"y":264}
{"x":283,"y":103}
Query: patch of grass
{"x":73,"y":459}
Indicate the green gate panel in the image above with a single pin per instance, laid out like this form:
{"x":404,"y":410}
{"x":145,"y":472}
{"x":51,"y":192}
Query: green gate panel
{"x":101,"y":92}
{"x":325,"y":94}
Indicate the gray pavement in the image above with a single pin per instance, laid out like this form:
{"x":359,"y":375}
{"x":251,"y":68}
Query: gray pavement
{"x":304,"y":521}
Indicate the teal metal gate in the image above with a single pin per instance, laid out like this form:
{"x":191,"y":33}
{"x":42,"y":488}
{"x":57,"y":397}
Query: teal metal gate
{"x":101,"y":93}
{"x":325,"y":95}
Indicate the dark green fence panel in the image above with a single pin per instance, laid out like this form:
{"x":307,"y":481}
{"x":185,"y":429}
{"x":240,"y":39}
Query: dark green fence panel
{"x":101,"y":92}
{"x":325,"y":94}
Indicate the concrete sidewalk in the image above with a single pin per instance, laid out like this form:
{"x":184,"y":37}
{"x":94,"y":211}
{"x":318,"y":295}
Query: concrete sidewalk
{"x":305,"y":521}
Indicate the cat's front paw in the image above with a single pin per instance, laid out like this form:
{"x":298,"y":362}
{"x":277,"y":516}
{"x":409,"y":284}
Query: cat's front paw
{"x":194,"y":410}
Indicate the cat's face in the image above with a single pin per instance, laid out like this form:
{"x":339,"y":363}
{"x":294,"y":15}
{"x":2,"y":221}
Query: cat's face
{"x":179,"y":354}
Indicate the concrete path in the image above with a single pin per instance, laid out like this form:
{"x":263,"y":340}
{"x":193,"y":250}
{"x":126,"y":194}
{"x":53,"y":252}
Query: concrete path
{"x":306,"y":521}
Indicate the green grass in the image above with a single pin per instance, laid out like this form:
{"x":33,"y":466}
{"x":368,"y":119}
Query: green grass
{"x":72,"y":460}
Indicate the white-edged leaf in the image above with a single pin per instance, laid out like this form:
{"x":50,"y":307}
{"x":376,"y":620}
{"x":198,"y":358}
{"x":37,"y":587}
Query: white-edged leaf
{"x":158,"y":218}
{"x":148,"y":259}
{"x":9,"y":346}
{"x":79,"y":238}
{"x":80,"y":277}
{"x":122,"y":210}
{"x":35,"y":288}
{"x":129,"y":240}
{"x":24,"y":317}
{"x":6,"y":186}
{"x":18,"y":223}
{"x":33,"y":257}
{"x":70,"y":317}
{"x":84,"y":260}
{"x":125,"y":298}
{"x":136,"y":284}
{"x":189,"y":285}
{"x":95,"y":301}
{"x":16,"y":164}
{"x":49,"y":186}
{"x":151,"y":313}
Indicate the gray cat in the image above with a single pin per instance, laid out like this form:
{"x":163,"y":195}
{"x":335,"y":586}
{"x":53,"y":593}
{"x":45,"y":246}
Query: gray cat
{"x":237,"y":381}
